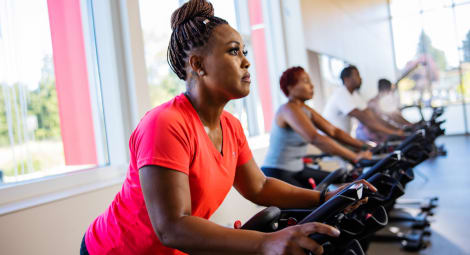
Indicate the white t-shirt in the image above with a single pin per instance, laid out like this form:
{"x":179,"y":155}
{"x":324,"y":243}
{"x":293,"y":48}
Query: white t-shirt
{"x":340,"y":104}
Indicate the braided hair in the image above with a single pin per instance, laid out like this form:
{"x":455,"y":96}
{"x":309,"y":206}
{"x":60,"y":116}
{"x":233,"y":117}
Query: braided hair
{"x":192,"y":25}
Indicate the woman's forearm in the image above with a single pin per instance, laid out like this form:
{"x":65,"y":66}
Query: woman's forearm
{"x":281,"y":194}
{"x":398,"y":118}
{"x":377,"y":126}
{"x":347,"y":139}
{"x":195,"y":235}
{"x":329,"y":146}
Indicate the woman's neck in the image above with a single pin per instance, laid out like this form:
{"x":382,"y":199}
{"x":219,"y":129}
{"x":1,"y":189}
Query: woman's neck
{"x":296,"y":101}
{"x":208,"y":109}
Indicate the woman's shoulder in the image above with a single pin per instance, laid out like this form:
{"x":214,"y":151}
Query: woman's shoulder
{"x":230,"y":119}
{"x":290,"y":107}
{"x":171,"y":112}
{"x":286,"y":107}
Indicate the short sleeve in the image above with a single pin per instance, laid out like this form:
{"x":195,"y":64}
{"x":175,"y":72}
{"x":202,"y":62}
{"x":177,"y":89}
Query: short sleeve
{"x":345,"y":102}
{"x":360,"y":103}
{"x":163,"y":140}
{"x":373,"y":104}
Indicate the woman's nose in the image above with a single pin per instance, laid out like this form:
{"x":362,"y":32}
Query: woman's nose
{"x":245,"y":63}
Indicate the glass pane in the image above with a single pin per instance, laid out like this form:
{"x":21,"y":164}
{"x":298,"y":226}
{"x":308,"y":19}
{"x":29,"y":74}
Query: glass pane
{"x":444,"y":89}
{"x":330,"y":69}
{"x":427,"y":57}
{"x":459,"y":2}
{"x":428,"y":5}
{"x":440,"y":27}
{"x":467,"y":112}
{"x":155,"y":18}
{"x":406,"y":31}
{"x":463,"y":40}
{"x":226,"y":10}
{"x":400,"y":8}
{"x":50,"y":121}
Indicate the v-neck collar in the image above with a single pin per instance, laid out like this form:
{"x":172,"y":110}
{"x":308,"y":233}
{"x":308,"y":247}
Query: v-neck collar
{"x":215,"y":151}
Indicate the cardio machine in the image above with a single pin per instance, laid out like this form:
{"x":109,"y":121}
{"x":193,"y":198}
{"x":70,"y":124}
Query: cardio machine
{"x":390,"y":174}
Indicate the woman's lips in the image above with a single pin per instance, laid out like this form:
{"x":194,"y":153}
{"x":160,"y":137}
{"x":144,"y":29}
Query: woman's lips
{"x":246,"y":78}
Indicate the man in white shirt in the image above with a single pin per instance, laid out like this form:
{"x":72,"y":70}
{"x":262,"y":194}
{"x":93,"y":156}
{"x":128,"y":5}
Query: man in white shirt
{"x":346,"y":103}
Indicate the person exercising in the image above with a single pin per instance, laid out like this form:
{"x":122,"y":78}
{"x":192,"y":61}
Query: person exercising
{"x":296,"y":125}
{"x":186,"y":154}
{"x":345,"y":104}
{"x":386,"y":106}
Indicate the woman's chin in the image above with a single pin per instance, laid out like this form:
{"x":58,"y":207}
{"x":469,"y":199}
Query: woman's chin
{"x":240,"y":96}
{"x":244,"y":92}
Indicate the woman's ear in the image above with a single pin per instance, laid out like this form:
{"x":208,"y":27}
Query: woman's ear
{"x":289,"y":88}
{"x":195,"y":63}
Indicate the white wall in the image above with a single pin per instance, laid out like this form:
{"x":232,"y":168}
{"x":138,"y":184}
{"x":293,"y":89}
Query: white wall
{"x":319,"y":99}
{"x":293,"y":33}
{"x":356,"y":31}
{"x":54,"y":228}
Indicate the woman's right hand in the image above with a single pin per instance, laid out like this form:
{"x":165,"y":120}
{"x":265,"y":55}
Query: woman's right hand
{"x":294,"y":240}
{"x":363,"y":155}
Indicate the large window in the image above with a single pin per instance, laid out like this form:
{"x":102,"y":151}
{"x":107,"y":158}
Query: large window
{"x":155,"y":18}
{"x":431,"y":42}
{"x":51,"y":118}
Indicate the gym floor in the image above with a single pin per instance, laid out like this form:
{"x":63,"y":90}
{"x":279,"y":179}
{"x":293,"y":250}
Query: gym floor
{"x":447,"y":177}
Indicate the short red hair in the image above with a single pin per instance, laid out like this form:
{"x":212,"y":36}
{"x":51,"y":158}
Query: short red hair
{"x":289,"y":77}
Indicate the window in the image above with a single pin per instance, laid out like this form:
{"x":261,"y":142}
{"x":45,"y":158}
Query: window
{"x":51,"y":118}
{"x":331,"y":68}
{"x":155,"y":18}
{"x":430,"y":55}
{"x":463,"y":41}
{"x":461,"y":2}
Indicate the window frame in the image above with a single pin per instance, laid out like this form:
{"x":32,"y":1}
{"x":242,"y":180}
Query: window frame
{"x":111,"y":32}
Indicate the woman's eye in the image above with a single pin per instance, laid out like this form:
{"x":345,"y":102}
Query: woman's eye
{"x":234,"y":51}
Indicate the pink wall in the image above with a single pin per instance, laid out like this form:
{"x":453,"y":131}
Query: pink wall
{"x":261,"y":60}
{"x":76,"y":121}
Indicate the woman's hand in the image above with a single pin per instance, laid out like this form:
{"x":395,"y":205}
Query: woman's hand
{"x":399,"y":132}
{"x":363,"y":155}
{"x":294,"y":240}
{"x":358,"y":203}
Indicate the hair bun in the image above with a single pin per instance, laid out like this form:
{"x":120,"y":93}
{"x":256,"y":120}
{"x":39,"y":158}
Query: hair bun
{"x":190,"y":11}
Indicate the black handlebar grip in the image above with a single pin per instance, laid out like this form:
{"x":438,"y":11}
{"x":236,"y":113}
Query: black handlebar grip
{"x":367,"y":162}
{"x":320,"y":238}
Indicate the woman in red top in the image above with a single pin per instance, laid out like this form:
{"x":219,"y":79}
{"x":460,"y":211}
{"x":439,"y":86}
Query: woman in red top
{"x":188,"y":152}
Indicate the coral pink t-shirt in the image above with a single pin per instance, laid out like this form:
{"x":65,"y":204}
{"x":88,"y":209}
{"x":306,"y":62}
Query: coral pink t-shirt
{"x":172,"y":136}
